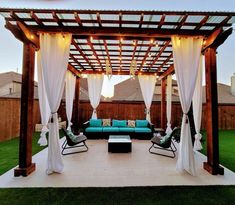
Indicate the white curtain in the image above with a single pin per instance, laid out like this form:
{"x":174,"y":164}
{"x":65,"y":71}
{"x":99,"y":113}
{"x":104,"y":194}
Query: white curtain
{"x":54,"y":59}
{"x":186,"y":55}
{"x":168,"y":103}
{"x":43,"y":103}
{"x":147,"y":85}
{"x":70,"y":83}
{"x":197,"y":107}
{"x":95,"y":83}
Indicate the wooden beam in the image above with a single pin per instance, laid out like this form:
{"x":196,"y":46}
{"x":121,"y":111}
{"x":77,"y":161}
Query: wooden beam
{"x":76,"y":61}
{"x":77,"y":18}
{"x":182,"y":22}
{"x":99,"y":19}
{"x":159,"y":54}
{"x":121,"y":31}
{"x":120,"y":20}
{"x":31,"y":37}
{"x":203,"y":21}
{"x":146,"y":55}
{"x":166,"y":61}
{"x":212,"y":164}
{"x":95,"y":54}
{"x":76,"y":107}
{"x":107,"y":53}
{"x":161,"y":21}
{"x":33,"y":16}
{"x":163,"y":104}
{"x":210,"y":40}
{"x":81,"y":52}
{"x":15,"y":31}
{"x":169,"y":71}
{"x":141,"y":20}
{"x":26,"y":115}
{"x":73,"y":70}
{"x":56,"y":19}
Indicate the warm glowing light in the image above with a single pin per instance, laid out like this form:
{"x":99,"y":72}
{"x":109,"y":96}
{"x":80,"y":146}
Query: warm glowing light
{"x":121,"y":40}
{"x":151,"y":41}
{"x":91,"y":38}
{"x":150,"y":55}
{"x":156,"y":45}
{"x":31,"y":36}
{"x":134,"y":43}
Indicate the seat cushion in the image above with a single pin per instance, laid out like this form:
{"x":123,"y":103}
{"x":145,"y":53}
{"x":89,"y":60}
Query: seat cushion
{"x":141,"y":123}
{"x":126,"y":129}
{"x":142,"y":130}
{"x":119,"y":123}
{"x":95,"y":123}
{"x":110,"y":129}
{"x":94,"y":129}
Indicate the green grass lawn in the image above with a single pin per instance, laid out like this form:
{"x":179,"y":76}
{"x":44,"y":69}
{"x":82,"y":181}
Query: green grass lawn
{"x":167,"y":195}
{"x":9,"y":152}
{"x":226,"y":148}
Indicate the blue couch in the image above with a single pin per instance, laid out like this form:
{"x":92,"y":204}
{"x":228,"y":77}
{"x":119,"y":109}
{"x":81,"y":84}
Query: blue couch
{"x":95,"y":129}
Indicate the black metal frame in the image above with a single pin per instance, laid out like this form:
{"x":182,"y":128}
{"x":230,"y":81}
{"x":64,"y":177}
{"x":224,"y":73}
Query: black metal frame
{"x":66,"y":146}
{"x":169,"y":149}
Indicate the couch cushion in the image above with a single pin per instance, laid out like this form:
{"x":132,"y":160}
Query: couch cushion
{"x":131,"y":123}
{"x":106,"y":122}
{"x":119,"y":123}
{"x":95,"y":123}
{"x":126,"y":129}
{"x":142,"y":130}
{"x":94,"y":129}
{"x":142,"y":123}
{"x":110,"y":129}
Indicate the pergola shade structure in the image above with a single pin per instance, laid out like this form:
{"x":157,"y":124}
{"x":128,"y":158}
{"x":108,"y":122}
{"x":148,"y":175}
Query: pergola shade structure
{"x":120,"y":37}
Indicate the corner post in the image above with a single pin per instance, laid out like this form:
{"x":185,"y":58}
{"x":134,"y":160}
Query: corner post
{"x":212,"y":164}
{"x":26,"y":116}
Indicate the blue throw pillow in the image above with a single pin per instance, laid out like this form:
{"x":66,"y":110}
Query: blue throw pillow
{"x":119,"y":123}
{"x":95,"y":123}
{"x":141,"y":123}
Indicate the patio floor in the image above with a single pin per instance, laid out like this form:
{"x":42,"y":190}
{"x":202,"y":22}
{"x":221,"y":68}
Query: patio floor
{"x":98,"y":168}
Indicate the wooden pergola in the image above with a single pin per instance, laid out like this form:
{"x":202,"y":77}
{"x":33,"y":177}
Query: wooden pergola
{"x":119,"y":37}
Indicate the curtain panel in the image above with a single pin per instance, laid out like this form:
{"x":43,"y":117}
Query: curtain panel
{"x":186,"y":56}
{"x":43,"y":103}
{"x":95,"y":84}
{"x":70,"y":82}
{"x":54,"y":60}
{"x":147,"y":85}
{"x":197,"y":107}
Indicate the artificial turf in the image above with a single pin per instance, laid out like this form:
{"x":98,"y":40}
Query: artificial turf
{"x":226,"y":148}
{"x":167,"y":195}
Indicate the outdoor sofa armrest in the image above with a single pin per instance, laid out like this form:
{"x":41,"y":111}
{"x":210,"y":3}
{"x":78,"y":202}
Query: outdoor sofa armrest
{"x":151,"y":126}
{"x":86,"y":124}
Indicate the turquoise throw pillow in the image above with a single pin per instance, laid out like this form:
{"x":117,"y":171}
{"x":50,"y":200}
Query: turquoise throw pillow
{"x":95,"y":123}
{"x":119,"y":123}
{"x":141,"y":123}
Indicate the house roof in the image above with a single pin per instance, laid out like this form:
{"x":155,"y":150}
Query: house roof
{"x":117,"y":37}
{"x":129,"y":90}
{"x":9,"y":77}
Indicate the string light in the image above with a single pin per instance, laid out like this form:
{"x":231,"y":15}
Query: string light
{"x":134,"y":42}
{"x":121,"y":40}
{"x":91,"y":38}
{"x":151,"y":41}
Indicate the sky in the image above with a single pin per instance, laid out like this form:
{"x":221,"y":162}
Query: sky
{"x":11,"y":48}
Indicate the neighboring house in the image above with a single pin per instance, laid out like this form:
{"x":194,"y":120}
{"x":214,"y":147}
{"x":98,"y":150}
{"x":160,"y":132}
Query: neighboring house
{"x":129,"y":90}
{"x":10,"y":84}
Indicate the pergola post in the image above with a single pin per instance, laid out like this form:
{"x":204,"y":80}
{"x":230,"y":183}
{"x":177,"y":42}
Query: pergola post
{"x":26,"y":117}
{"x":163,"y":103}
{"x":212,"y":164}
{"x":76,"y":106}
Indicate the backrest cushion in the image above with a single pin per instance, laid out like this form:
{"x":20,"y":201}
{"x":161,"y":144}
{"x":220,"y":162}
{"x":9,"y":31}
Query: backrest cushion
{"x":95,"y":123}
{"x":131,"y":123}
{"x":141,"y":123}
{"x":71,"y":135}
{"x":119,"y":123}
{"x":106,"y":122}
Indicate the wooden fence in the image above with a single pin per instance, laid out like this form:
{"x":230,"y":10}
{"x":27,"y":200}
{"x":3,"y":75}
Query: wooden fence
{"x":10,"y":114}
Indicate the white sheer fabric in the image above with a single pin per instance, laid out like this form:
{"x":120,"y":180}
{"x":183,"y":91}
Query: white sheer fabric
{"x":95,"y":83}
{"x":197,"y":108}
{"x":168,"y":103}
{"x":147,"y":85}
{"x":43,"y":103}
{"x":54,"y":59}
{"x":186,"y":55}
{"x":70,"y":82}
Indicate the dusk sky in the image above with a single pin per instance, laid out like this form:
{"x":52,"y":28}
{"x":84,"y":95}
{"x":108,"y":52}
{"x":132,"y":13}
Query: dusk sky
{"x":11,"y":49}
